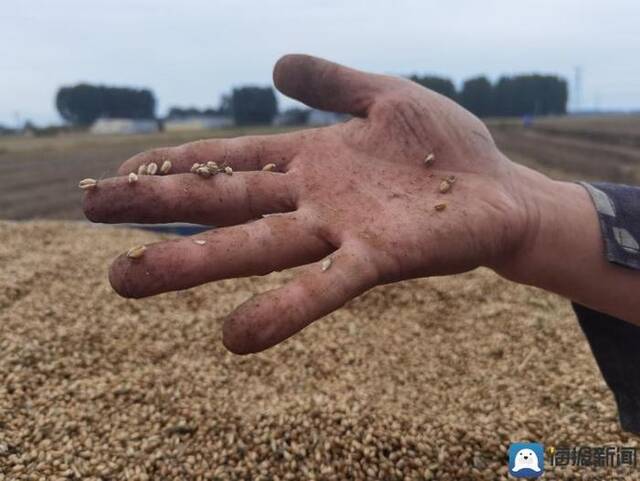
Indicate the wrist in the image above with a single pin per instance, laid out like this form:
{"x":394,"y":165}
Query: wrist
{"x":560,"y":223}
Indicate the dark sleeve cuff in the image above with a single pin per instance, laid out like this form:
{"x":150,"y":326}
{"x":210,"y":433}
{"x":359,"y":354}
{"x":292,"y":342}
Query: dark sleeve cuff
{"x":615,"y":343}
{"x":618,"y":208}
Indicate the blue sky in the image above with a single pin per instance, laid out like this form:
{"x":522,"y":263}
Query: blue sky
{"x":192,"y":51}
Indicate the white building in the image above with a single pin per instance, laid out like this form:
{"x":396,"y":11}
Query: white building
{"x":201,"y":122}
{"x":124,"y":126}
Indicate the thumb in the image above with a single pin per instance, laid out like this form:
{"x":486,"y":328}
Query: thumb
{"x":328,"y":86}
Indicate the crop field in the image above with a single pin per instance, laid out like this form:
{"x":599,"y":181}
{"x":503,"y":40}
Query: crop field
{"x":425,"y":380}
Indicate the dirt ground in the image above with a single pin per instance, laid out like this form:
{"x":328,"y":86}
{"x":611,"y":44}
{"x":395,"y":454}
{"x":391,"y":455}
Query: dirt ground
{"x":39,"y":176}
{"x":581,"y":148}
{"x":427,"y":379}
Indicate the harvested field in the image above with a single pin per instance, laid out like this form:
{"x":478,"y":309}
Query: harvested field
{"x":39,"y":176}
{"x":580,"y":148}
{"x":428,"y":379}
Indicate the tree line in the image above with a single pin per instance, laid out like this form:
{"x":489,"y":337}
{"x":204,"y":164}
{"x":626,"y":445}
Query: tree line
{"x":508,"y":97}
{"x":82,"y":104}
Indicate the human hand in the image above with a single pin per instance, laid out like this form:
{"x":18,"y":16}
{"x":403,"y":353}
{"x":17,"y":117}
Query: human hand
{"x":354,"y":202}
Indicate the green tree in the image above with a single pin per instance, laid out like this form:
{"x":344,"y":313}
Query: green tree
{"x":226,"y":107}
{"x":477,"y":96}
{"x":253,"y":105}
{"x":531,"y":95}
{"x":441,"y":85}
{"x":82,"y":104}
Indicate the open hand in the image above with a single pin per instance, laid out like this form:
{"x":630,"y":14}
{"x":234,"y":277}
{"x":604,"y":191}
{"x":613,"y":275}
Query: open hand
{"x":411,"y":186}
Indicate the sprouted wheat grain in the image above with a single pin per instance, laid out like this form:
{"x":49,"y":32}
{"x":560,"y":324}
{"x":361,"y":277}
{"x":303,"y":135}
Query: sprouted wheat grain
{"x":133,"y":178}
{"x":447,"y":184}
{"x":428,"y":160}
{"x":444,"y":187}
{"x":88,"y":183}
{"x":166,"y":167}
{"x":269,"y":167}
{"x":152,"y":168}
{"x":203,"y":171}
{"x":136,"y":252}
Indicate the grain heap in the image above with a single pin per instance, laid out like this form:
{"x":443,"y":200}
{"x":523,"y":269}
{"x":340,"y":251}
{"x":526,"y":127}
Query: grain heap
{"x":430,"y":379}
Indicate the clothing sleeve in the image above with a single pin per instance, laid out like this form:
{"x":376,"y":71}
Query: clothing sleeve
{"x":615,"y":343}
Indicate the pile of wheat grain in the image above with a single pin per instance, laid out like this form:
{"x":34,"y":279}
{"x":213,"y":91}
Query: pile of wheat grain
{"x":429,"y":379}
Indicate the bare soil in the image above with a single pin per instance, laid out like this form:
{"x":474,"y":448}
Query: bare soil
{"x":39,"y":176}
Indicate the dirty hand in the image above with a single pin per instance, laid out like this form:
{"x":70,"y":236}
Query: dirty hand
{"x":411,"y":186}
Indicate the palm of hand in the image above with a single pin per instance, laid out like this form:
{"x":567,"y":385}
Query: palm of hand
{"x":356,"y":198}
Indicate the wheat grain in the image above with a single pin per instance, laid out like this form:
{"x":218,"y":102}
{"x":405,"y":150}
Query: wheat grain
{"x":228,"y":170}
{"x":326,"y":264}
{"x":444,"y":187}
{"x":166,"y":167}
{"x":152,"y":168}
{"x":144,"y":390}
{"x":269,"y":167}
{"x":203,"y":171}
{"x":136,"y":252}
{"x":86,"y":184}
{"x":133,"y":178}
{"x":428,"y":160}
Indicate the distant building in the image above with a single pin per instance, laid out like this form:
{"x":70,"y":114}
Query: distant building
{"x":124,"y":126}
{"x":292,"y":116}
{"x":6,"y":130}
{"x":201,"y":122}
{"x":320,"y":117}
